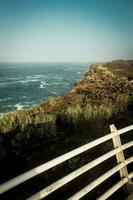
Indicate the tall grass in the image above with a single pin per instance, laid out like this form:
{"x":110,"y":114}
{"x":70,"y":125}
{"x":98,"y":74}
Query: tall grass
{"x":69,"y":113}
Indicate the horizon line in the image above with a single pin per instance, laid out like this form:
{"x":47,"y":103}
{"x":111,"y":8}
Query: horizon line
{"x":83,"y":62}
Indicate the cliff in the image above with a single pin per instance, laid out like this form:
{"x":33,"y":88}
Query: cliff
{"x":105,"y":93}
{"x":34,"y":136}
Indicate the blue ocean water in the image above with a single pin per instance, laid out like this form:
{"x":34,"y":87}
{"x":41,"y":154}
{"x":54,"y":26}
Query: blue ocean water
{"x":23,"y":85}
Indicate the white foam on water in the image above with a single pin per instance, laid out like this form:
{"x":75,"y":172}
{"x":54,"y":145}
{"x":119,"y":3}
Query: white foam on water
{"x":3,"y":84}
{"x":18,"y":106}
{"x":6,"y":99}
{"x":9,"y":106}
{"x":57,"y":83}
{"x":79,"y":73}
{"x":43,"y":84}
{"x":18,"y":81}
{"x":61,"y":83}
{"x":14,"y":78}
{"x":58,"y":77}
{"x":68,"y":68}
{"x":38,"y":76}
{"x":28,"y":103}
{"x":54,"y":93}
{"x":27,"y":81}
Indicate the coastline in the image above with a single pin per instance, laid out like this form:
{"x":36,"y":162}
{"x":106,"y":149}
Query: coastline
{"x":105,"y":91}
{"x":33,"y":136}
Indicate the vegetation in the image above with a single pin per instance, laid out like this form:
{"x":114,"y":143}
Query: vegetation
{"x":102,"y":94}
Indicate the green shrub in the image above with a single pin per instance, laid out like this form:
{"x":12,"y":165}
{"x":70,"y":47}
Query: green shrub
{"x":46,"y":123}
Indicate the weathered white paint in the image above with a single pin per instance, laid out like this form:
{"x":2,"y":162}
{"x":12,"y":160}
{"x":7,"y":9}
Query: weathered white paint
{"x":99,"y":180}
{"x":51,"y":188}
{"x":125,"y":130}
{"x":44,"y":167}
{"x":116,"y":187}
{"x":120,"y":155}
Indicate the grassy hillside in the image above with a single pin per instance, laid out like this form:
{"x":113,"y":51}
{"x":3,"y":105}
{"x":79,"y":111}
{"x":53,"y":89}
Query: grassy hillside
{"x":105,"y":92}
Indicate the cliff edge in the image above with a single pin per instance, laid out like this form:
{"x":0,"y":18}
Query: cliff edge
{"x":104,"y":96}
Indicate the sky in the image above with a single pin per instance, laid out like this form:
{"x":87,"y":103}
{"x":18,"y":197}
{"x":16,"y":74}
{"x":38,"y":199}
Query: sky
{"x":65,"y":30}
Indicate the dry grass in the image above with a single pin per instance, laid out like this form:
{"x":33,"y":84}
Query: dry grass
{"x":91,"y":102}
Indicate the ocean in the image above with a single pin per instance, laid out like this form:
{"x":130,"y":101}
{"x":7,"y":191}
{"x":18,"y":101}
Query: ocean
{"x":23,"y":85}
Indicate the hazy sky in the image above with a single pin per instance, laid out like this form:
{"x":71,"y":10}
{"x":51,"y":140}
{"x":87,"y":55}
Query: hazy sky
{"x":66,"y":30}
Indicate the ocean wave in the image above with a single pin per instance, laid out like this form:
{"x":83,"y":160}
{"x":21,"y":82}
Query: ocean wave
{"x":43,"y":84}
{"x":19,"y":81}
{"x":9,"y":106}
{"x":13,"y":78}
{"x":6,"y":99}
{"x":58,"y":77}
{"x":28,"y":103}
{"x":19,"y":106}
{"x":4,"y":83}
{"x":79,"y":73}
{"x":57,"y":83}
{"x":27,"y":81}
{"x":61,"y":83}
{"x":38,"y":76}
{"x":68,"y":68}
{"x":54,"y":93}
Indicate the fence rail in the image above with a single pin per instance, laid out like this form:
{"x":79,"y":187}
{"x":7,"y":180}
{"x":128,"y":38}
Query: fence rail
{"x":117,"y":151}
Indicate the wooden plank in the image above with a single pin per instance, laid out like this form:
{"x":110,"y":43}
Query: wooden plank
{"x":44,"y":167}
{"x":116,"y":187}
{"x":125,"y":130}
{"x":51,"y":188}
{"x":127,"y":145}
{"x":120,"y":155}
{"x":99,"y":180}
{"x":56,"y":185}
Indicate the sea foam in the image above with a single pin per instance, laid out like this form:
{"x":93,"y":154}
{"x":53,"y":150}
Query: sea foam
{"x":19,"y":106}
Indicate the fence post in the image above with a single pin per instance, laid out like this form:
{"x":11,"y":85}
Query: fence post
{"x":120,"y":155}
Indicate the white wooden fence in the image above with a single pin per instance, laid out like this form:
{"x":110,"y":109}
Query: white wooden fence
{"x":121,"y":166}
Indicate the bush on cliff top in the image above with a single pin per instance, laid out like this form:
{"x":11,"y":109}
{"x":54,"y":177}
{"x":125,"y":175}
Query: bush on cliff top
{"x":92,"y":101}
